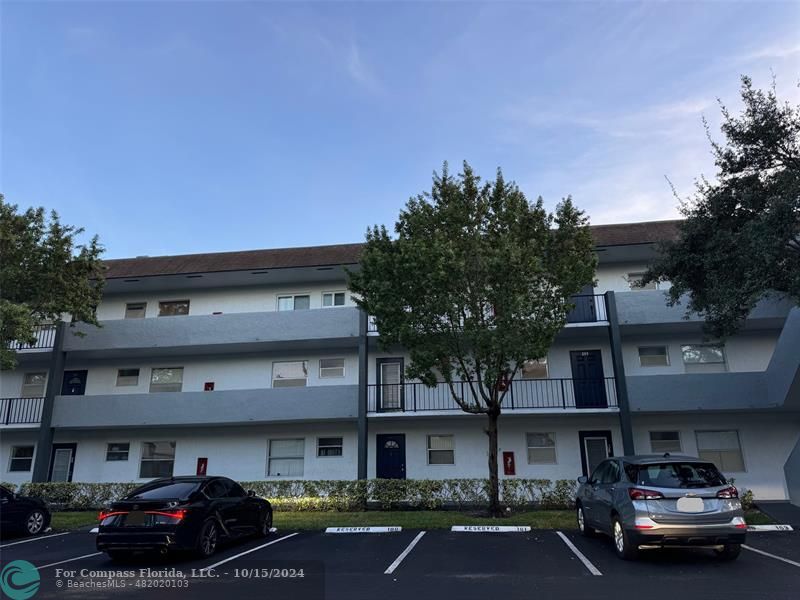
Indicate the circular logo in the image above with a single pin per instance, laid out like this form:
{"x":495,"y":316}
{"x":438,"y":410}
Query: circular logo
{"x":19,"y":580}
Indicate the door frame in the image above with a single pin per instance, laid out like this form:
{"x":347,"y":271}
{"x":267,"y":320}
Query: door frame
{"x":595,"y":433}
{"x":71,"y":446}
{"x":379,"y":446}
{"x":378,"y":387}
{"x":601,"y":381}
{"x":64,"y":381}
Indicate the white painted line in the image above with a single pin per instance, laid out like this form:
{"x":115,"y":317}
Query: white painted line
{"x":273,"y":529}
{"x":363,"y":529}
{"x":229,"y":559}
{"x":586,"y":562}
{"x":61,"y":562}
{"x":403,"y":554}
{"x":95,"y":530}
{"x":775,"y":556}
{"x":491,"y":528}
{"x":769,"y":528}
{"x":35,"y":539}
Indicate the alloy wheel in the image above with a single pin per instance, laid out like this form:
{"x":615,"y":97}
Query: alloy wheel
{"x":619,"y":539}
{"x":35,"y":522}
{"x":581,"y":524}
{"x":208,"y":541}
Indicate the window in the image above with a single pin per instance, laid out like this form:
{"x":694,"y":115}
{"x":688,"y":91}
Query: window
{"x":665,"y":441}
{"x":290,"y":374}
{"x":676,"y":475}
{"x":127,"y":377}
{"x":333,"y":299}
{"x":329,"y":446}
{"x":541,"y":448}
{"x":331,"y":367}
{"x":653,"y":356}
{"x":158,"y":459}
{"x":168,"y":379}
{"x":173,"y":308}
{"x":722,"y":448}
{"x":299,"y":302}
{"x":611,"y":473}
{"x":441,"y":450}
{"x":286,"y":458}
{"x":116,"y":451}
{"x":635,"y":280}
{"x":217,"y":488}
{"x":21,"y":458}
{"x":135,"y":310}
{"x":535,"y":368}
{"x":703,"y":358}
{"x":33,"y":385}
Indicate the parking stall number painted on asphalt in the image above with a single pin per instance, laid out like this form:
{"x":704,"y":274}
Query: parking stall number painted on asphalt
{"x":491,"y":528}
{"x":363,"y":529}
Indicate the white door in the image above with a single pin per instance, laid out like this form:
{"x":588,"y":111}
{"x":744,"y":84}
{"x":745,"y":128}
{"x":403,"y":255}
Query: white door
{"x":62,"y":460}
{"x":391,"y":385}
{"x":596,"y":451}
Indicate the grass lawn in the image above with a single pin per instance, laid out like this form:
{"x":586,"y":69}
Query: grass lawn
{"x":423,"y":519}
{"x":753,"y":516}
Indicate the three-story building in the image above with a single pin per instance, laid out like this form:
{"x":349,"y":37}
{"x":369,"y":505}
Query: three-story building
{"x":259,"y":365}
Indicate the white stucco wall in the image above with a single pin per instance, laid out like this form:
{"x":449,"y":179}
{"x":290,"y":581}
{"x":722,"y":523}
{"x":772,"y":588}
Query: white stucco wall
{"x":225,"y":300}
{"x":747,"y":351}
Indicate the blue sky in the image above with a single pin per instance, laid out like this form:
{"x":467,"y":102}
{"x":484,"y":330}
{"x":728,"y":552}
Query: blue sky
{"x":208,"y":126}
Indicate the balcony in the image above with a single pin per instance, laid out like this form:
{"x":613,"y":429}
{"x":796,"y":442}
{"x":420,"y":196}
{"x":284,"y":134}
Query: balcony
{"x":21,"y":411}
{"x":203,"y":334}
{"x":45,"y":340}
{"x":225,"y":407}
{"x":589,"y":308}
{"x":555,"y":395}
{"x":698,"y":392}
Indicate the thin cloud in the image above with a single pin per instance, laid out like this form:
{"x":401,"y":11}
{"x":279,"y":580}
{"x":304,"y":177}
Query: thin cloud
{"x":780,"y":51}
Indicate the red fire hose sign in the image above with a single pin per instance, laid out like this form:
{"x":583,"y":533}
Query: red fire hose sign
{"x":508,"y":463}
{"x":202,"y":465}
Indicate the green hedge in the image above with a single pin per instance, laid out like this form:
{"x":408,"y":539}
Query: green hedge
{"x":331,"y":495}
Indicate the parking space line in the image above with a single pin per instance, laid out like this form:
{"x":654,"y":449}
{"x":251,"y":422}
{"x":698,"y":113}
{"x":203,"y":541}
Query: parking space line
{"x":775,"y":556}
{"x":36,"y":539}
{"x":586,"y":562}
{"x":403,"y":554}
{"x":61,"y":562}
{"x":230,"y":558}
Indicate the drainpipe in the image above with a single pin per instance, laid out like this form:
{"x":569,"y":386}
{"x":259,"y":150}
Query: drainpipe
{"x":620,"y":382}
{"x":55,"y":377}
{"x":363,"y":365}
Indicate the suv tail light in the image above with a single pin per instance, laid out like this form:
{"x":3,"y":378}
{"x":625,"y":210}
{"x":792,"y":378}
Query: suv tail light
{"x":641,"y":494}
{"x":728,"y":492}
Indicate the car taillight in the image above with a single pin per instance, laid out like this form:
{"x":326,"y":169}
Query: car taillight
{"x":107,"y":514}
{"x":728,"y":492}
{"x":640,"y":494}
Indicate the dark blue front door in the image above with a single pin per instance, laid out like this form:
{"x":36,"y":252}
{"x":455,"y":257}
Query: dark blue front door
{"x":587,"y":379}
{"x":390,"y":458}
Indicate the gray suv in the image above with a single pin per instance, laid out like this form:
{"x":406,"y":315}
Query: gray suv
{"x":661,"y":501}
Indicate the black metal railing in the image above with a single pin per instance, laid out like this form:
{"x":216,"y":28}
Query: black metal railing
{"x":520,"y":394}
{"x":45,"y":338}
{"x":20,"y":411}
{"x":589,"y":308}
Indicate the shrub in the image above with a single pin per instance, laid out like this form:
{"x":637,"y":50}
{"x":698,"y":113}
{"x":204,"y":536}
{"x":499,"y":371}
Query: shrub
{"x":335,"y":495}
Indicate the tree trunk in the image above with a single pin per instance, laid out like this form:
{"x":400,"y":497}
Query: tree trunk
{"x":494,"y":481}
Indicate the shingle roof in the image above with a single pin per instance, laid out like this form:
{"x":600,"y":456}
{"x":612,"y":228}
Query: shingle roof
{"x":341,"y":254}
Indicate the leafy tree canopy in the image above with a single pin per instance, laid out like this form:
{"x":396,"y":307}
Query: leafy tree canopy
{"x":476,"y":281}
{"x":741,"y":237}
{"x":44,"y":274}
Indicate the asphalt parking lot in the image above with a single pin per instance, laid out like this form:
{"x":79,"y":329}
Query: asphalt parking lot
{"x":413,"y":564}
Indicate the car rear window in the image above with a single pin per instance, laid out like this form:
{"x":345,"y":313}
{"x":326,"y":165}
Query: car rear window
{"x":178,"y":490}
{"x":676,"y":475}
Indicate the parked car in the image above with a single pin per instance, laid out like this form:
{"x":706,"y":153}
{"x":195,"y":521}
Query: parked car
{"x":22,"y":514}
{"x":182,"y":513}
{"x":662,"y":501}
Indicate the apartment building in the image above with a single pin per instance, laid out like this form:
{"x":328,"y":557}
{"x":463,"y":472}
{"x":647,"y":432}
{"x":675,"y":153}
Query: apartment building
{"x":258,"y":365}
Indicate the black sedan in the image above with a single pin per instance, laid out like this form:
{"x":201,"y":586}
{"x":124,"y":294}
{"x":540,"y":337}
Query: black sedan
{"x":22,"y":514}
{"x":182,"y":513}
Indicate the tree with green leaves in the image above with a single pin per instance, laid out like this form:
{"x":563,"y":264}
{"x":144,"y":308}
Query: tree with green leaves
{"x":475,"y":281}
{"x":44,"y":274}
{"x":741,"y":238}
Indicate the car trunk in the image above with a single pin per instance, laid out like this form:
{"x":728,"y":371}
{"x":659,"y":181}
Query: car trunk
{"x":690,"y":506}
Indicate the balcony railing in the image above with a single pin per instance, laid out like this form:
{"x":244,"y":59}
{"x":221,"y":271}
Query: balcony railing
{"x":521,"y":394}
{"x":45,"y":338}
{"x":589,"y":308}
{"x":20,"y":411}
